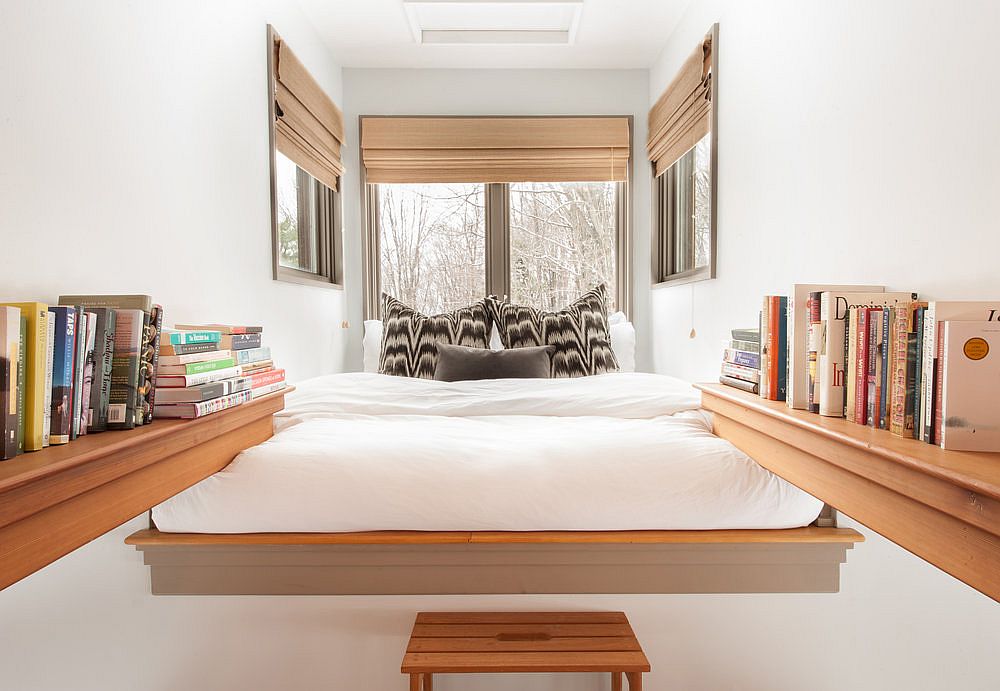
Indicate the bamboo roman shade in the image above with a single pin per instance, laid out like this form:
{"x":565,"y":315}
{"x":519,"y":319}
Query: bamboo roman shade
{"x":308,"y":126}
{"x":683,"y":114}
{"x":495,"y":149}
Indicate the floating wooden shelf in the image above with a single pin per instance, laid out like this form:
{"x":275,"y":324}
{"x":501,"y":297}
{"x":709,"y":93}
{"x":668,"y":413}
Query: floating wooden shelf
{"x":943,"y":506}
{"x":58,"y":499}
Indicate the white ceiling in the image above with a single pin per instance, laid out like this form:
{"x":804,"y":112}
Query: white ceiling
{"x":612,"y":34}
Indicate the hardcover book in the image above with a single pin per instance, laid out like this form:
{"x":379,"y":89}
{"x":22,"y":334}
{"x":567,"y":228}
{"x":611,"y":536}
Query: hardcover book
{"x":748,"y":346}
{"x":245,"y":357}
{"x":79,"y":364}
{"x":831,"y":358}
{"x":255,"y":367}
{"x":970,"y":391}
{"x":267,"y":388}
{"x":874,"y":365}
{"x":747,"y":386}
{"x":185,"y":380}
{"x":10,"y":345}
{"x":765,"y":361}
{"x":750,"y":335}
{"x":940,"y":311}
{"x":149,"y":355}
{"x":49,"y":365}
{"x":104,"y":350}
{"x":851,"y":336}
{"x":222,"y":328}
{"x":21,"y":354}
{"x":918,"y":404}
{"x":126,"y":302}
{"x":885,"y":350}
{"x":168,"y":360}
{"x":196,"y":367}
{"x":125,"y":368}
{"x":815,"y":339}
{"x":737,"y":357}
{"x":174,"y":337}
{"x":240,"y":341}
{"x":89,"y":367}
{"x":202,"y":392}
{"x":902,"y":369}
{"x":37,"y":347}
{"x":168,"y":349}
{"x":777,"y":334}
{"x":798,"y":341}
{"x":737,"y":372}
{"x":265,"y":378}
{"x":156,"y":323}
{"x":193,"y":410}
{"x":63,"y":374}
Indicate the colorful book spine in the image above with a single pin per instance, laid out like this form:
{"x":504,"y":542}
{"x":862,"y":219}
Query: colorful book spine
{"x":748,"y":346}
{"x":739,"y":372}
{"x":79,"y":365}
{"x":265,"y":378}
{"x":240,"y":341}
{"x":37,"y":317}
{"x":778,"y":387}
{"x":245,"y":357}
{"x":901,"y":372}
{"x":186,"y":348}
{"x":104,"y":351}
{"x":156,"y":323}
{"x":202,"y":392}
{"x":851,"y":373}
{"x":189,"y":337}
{"x":22,"y":353}
{"x":886,"y":353}
{"x":50,"y":357}
{"x":10,"y":348}
{"x":186,"y":380}
{"x":765,"y":360}
{"x":737,"y":357}
{"x":166,"y":360}
{"x":814,"y":309}
{"x":874,"y":360}
{"x":196,"y":367}
{"x":748,"y":386}
{"x":125,"y":368}
{"x":63,"y":373}
{"x":267,"y":388}
{"x":195,"y":410}
{"x":919,"y":384}
{"x":89,"y":367}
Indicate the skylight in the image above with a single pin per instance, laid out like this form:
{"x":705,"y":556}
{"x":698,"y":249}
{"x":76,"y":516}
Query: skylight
{"x":505,"y":22}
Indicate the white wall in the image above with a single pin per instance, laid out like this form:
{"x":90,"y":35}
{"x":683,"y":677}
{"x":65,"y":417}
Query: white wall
{"x":500,"y":92}
{"x":858,"y":142}
{"x":135,"y":159}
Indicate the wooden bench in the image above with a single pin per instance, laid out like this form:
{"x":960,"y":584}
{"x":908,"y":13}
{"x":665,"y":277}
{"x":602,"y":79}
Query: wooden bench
{"x":505,"y":642}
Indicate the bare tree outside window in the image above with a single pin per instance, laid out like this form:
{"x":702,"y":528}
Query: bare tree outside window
{"x":433,"y":244}
{"x":562,"y":241}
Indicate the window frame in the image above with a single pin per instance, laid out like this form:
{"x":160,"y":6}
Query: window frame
{"x":497,"y":279}
{"x":329,"y":211}
{"x":663,"y":235}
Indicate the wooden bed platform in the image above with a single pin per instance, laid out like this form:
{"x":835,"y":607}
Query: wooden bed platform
{"x":463,"y":562}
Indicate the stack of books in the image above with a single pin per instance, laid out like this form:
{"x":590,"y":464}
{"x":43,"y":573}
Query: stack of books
{"x":920,"y":370}
{"x":741,"y":360}
{"x":206,"y":368}
{"x":85,"y":365}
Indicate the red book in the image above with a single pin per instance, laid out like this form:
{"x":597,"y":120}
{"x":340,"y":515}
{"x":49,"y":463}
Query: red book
{"x":774,"y":316}
{"x":861,"y":371}
{"x":270,"y":376}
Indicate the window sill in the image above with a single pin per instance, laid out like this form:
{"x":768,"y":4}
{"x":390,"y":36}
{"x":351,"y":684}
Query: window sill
{"x":287,"y":275}
{"x":704,"y":273}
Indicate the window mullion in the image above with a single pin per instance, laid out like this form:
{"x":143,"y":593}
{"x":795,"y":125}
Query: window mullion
{"x":498,"y":239}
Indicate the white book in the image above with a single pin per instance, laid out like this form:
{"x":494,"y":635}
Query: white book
{"x":184,"y":380}
{"x":971,"y":386}
{"x":267,"y":388}
{"x":167,"y":360}
{"x":765,"y":369}
{"x":50,"y":354}
{"x":797,"y":378}
{"x":832,"y":361}
{"x":941,"y":311}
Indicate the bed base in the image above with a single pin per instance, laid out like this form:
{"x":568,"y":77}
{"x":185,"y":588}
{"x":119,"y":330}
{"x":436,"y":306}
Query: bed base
{"x":799,"y":560}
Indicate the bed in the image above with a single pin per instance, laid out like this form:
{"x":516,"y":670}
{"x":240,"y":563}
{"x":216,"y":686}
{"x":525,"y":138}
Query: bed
{"x":368,"y":452}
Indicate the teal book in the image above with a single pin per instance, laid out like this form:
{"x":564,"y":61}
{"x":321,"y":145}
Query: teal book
{"x":188,"y":337}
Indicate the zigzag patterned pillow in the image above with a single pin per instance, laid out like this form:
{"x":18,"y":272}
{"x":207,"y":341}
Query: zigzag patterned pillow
{"x":579,"y":333}
{"x":410,"y":338}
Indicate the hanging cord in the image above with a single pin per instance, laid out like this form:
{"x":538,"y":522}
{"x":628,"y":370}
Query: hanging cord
{"x":693,"y":333}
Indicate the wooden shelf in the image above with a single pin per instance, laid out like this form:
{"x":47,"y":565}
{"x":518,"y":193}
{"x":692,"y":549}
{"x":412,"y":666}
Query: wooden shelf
{"x":943,"y":506}
{"x":58,"y":499}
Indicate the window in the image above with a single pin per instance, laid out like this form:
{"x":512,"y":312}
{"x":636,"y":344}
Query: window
{"x":445,"y":245}
{"x":683,"y":218}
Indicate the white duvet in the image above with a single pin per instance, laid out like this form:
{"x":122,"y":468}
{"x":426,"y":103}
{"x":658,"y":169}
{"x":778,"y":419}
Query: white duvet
{"x":356,"y":452}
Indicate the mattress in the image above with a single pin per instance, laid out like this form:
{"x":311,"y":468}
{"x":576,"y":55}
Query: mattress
{"x":358,"y":452}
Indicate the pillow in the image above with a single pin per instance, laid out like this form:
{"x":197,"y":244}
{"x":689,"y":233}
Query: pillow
{"x":409,"y":338}
{"x":461,"y":363}
{"x":372,"y":344}
{"x":622,"y":341}
{"x":579,"y":333}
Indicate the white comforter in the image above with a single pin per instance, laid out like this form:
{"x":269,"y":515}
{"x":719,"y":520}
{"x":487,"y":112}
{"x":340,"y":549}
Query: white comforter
{"x":358,"y":452}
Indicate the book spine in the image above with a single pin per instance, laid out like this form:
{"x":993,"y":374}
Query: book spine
{"x":186,"y":348}
{"x":899,"y":383}
{"x":10,"y":338}
{"x":22,"y":383}
{"x":156,"y":324}
{"x":125,"y":369}
{"x":861,"y":366}
{"x":79,"y":364}
{"x":83,"y":419}
{"x":765,"y":362}
{"x":747,"y":386}
{"x":145,"y":369}
{"x":190,"y":337}
{"x":104,"y":350}
{"x":814,"y":306}
{"x":747,"y":346}
{"x":266,"y":389}
{"x":245,"y":357}
{"x":728,"y":368}
{"x":886,"y":351}
{"x":927,"y":365}
{"x":831,"y":358}
{"x":186,"y":380}
{"x":197,"y":367}
{"x":938,"y":398}
{"x":919,"y":384}
{"x":790,"y":390}
{"x":850,"y":362}
{"x":62,"y":374}
{"x":737,"y":357}
{"x":50,"y":355}
{"x":264,"y":378}
{"x":780,"y":305}
{"x":194,"y":410}
{"x":874,"y":336}
{"x":241,"y":341}
{"x":169,"y":360}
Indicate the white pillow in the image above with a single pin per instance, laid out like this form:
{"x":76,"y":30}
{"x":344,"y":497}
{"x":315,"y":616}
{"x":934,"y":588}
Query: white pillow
{"x":622,"y":341}
{"x":372,"y":344}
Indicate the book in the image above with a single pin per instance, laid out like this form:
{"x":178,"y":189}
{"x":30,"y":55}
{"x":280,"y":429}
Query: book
{"x":815,"y":340}
{"x":21,"y":354}
{"x":266,"y":389}
{"x":104,"y":350}
{"x":168,"y":360}
{"x":223,"y":328}
{"x":851,"y":373}
{"x":174,"y":337}
{"x":970,"y":391}
{"x":902,"y":370}
{"x":10,"y":350}
{"x":258,"y":366}
{"x":874,"y":365}
{"x":918,"y":404}
{"x":738,"y":372}
{"x":49,"y":365}
{"x":64,"y":355}
{"x":737,"y":357}
{"x":750,"y":335}
{"x":194,"y":410}
{"x":739,"y":384}
{"x":831,"y":358}
{"x":245,"y":357}
{"x":240,"y":341}
{"x":128,"y":302}
{"x":37,"y":317}
{"x":150,"y":355}
{"x":265,"y":378}
{"x":196,"y":367}
{"x":798,"y":366}
{"x":186,"y":380}
{"x":983,"y":311}
{"x":79,"y":363}
{"x":885,"y":350}
{"x":125,"y":368}
{"x":765,"y":363}
{"x":89,"y":366}
{"x":169,"y":349}
{"x":202,"y":392}
{"x":777,"y":334}
{"x":748,"y":346}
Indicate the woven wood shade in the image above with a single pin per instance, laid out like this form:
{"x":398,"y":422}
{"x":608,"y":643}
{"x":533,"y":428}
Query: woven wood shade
{"x":308,"y":126}
{"x":683,"y":114}
{"x":488,"y":149}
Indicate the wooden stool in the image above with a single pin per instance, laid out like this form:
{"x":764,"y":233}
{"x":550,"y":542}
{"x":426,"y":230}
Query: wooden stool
{"x":498,"y":642}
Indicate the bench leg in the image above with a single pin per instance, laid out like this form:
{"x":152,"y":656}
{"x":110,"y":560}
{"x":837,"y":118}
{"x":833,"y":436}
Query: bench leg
{"x":428,"y":682}
{"x":414,"y":682}
{"x":616,"y":681}
{"x":634,"y":681}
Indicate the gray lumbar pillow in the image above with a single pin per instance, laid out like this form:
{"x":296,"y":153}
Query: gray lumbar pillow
{"x":461,"y":363}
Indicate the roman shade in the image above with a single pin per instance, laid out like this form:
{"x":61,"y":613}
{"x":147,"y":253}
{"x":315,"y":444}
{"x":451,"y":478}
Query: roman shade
{"x":495,"y":149}
{"x":308,"y":126}
{"x":683,"y":114}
